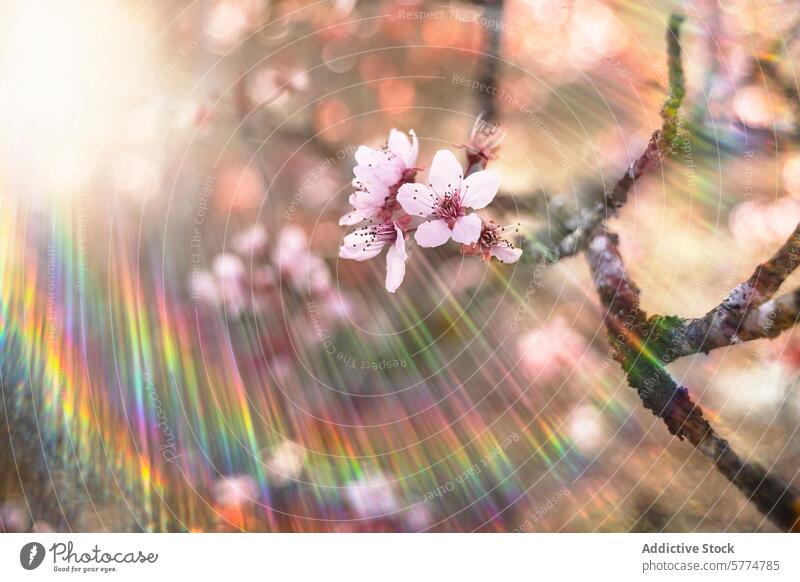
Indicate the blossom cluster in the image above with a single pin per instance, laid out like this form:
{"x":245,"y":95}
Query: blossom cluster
{"x":250,"y":275}
{"x":389,"y":200}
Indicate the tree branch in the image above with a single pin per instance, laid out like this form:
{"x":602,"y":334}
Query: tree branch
{"x":666,"y":399}
{"x":490,"y":62}
{"x":747,"y":313}
{"x":486,"y":134}
{"x":661,"y":144}
{"x":643,"y":346}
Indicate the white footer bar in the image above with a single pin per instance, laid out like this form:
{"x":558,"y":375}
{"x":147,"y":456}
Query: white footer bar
{"x":401,"y":557}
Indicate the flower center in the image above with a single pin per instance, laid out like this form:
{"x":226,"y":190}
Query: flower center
{"x":390,"y":203}
{"x":490,"y":236}
{"x":376,"y":234}
{"x":449,"y":208}
{"x":384,"y":232}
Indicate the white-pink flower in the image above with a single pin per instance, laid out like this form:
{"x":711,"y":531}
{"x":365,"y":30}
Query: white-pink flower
{"x":252,"y":241}
{"x":378,"y":175}
{"x":367,"y":242}
{"x":553,"y":349}
{"x":217,"y":288}
{"x":390,"y":164}
{"x":484,"y":140}
{"x":294,"y":258}
{"x":372,"y":496}
{"x":446,"y":200}
{"x":372,"y":200}
{"x":492,"y":243}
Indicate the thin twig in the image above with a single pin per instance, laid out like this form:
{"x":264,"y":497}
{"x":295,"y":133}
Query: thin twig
{"x":661,"y":143}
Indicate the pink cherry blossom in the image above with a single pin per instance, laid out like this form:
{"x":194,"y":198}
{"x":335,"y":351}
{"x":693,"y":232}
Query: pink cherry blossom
{"x":230,"y":277}
{"x":251,"y":242}
{"x":392,"y":163}
{"x":371,"y":200}
{"x":14,"y":516}
{"x":229,"y":267}
{"x":378,"y":176}
{"x":484,"y":140}
{"x":294,"y":258}
{"x":491,"y":243}
{"x":235,"y":491}
{"x":553,"y":349}
{"x":446,"y":199}
{"x":367,"y":242}
{"x":372,"y":496}
{"x":285,"y":462}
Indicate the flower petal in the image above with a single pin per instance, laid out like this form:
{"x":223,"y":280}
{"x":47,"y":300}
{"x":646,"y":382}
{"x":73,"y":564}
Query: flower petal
{"x":411,"y":161}
{"x":479,"y":189}
{"x":396,"y":262}
{"x":416,"y":199}
{"x":252,"y":241}
{"x":366,"y":201}
{"x":368,"y":181}
{"x":432,"y":233}
{"x":467,"y":229}
{"x":361,"y":245}
{"x":406,"y":150}
{"x":382,"y":167}
{"x":359,"y":253}
{"x":353,"y":217}
{"x":506,"y":254}
{"x":369,"y":157}
{"x":445,"y":173}
{"x":228,"y":267}
{"x":399,"y":144}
